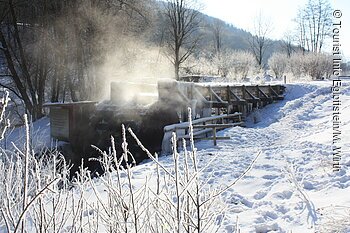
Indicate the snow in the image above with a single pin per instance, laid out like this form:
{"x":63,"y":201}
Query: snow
{"x":39,"y":136}
{"x":294,"y":137}
{"x":291,"y":187}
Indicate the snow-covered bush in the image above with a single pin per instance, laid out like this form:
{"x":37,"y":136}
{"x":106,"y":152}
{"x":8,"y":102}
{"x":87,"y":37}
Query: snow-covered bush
{"x":319,"y":65}
{"x":4,"y":123}
{"x":235,"y":64}
{"x":296,"y":65}
{"x":30,"y":194}
{"x":242,"y":63}
{"x":232,"y":64}
{"x":313,"y":65}
{"x":200,"y":65}
{"x":278,"y":63}
{"x":38,"y":196}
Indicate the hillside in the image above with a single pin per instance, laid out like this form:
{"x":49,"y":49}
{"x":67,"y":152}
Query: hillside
{"x":233,"y":38}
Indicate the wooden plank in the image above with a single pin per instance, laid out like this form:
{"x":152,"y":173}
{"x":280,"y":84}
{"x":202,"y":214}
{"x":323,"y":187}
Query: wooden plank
{"x":196,"y":133}
{"x":217,"y":125}
{"x":242,"y":102}
{"x":203,"y":131}
{"x":219,"y":104}
{"x":185,"y":125}
{"x":217,"y":138}
{"x":59,"y":123}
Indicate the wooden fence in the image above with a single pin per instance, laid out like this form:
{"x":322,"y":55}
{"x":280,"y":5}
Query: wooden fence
{"x":203,"y":128}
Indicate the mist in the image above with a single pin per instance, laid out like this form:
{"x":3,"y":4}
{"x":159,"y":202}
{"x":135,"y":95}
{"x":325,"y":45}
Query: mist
{"x":89,"y":45}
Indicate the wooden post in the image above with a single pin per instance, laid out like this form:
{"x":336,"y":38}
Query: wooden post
{"x":243,"y":90}
{"x":214,"y":135}
{"x":228,"y":99}
{"x":284,"y":79}
{"x":257,"y":93}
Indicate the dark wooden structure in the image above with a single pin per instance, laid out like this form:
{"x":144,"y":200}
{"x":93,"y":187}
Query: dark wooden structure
{"x":208,"y":99}
{"x":158,"y":111}
{"x":68,"y":119}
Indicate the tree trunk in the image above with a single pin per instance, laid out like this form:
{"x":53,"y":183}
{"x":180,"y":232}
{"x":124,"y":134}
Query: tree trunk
{"x":15,"y":77}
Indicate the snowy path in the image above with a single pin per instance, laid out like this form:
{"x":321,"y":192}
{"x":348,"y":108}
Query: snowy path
{"x":292,"y":186}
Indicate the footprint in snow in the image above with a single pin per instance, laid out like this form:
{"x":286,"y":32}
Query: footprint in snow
{"x":247,"y":203}
{"x":237,"y":199}
{"x":282,"y":209}
{"x":270,"y":177}
{"x":260,"y":195}
{"x":265,"y":167}
{"x":264,"y":227}
{"x":209,"y":169}
{"x":308,"y":185}
{"x":268,"y":215}
{"x":283,"y":195}
{"x":221,"y":173}
{"x":344,"y":179}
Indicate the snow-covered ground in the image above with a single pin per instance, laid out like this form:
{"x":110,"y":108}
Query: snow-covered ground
{"x":291,"y":187}
{"x":39,"y":136}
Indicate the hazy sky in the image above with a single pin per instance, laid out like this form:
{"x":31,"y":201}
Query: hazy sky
{"x":280,"y":13}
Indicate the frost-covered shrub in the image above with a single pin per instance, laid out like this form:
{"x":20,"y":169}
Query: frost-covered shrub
{"x":297,"y":65}
{"x":37,"y":196}
{"x":318,"y":65}
{"x":232,"y":64}
{"x":313,"y":65}
{"x":278,"y":63}
{"x":201,"y":65}
{"x":243,"y":63}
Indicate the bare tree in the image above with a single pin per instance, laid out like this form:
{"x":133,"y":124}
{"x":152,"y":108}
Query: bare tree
{"x":313,"y":24}
{"x":217,"y":28}
{"x":259,"y":42}
{"x":287,"y":43}
{"x":302,"y":38}
{"x":29,"y":79}
{"x":183,"y":37}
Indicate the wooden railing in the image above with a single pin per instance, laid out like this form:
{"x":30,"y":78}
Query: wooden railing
{"x":203,"y":128}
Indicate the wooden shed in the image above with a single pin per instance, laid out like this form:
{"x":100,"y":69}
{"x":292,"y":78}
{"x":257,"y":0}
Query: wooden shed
{"x":67,"y":118}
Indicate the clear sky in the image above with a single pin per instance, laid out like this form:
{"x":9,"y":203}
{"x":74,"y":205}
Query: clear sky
{"x":280,"y":13}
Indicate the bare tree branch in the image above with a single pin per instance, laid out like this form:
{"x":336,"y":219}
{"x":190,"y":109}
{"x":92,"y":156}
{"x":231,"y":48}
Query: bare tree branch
{"x":183,"y":23}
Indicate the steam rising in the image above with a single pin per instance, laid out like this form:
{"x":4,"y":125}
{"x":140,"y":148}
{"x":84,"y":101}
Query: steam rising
{"x":93,"y":44}
{"x":136,"y":63}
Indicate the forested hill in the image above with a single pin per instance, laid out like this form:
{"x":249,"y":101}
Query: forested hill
{"x":232,"y":38}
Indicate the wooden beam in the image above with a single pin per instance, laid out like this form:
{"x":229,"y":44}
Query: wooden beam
{"x":216,"y":96}
{"x":263,"y":93}
{"x":217,"y":125}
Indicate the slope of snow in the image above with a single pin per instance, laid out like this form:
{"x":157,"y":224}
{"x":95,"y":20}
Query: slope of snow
{"x":39,"y":136}
{"x":292,"y":186}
